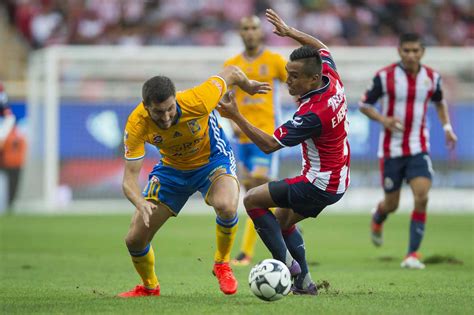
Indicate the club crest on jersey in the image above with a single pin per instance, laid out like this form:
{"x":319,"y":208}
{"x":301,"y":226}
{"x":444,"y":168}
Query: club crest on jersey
{"x":263,"y":70}
{"x":157,"y":139}
{"x":193,"y":126}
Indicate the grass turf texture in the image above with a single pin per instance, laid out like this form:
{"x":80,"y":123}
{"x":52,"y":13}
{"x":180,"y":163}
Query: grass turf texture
{"x":77,"y":264}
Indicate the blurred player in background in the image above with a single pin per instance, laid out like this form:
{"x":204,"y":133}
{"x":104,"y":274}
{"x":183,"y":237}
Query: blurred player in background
{"x":12,"y":147}
{"x":262,"y":110}
{"x":320,"y":126}
{"x":405,"y":88}
{"x":196,"y":156}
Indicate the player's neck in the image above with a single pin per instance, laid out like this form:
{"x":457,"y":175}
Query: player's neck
{"x":411,"y":70}
{"x":252,"y":53}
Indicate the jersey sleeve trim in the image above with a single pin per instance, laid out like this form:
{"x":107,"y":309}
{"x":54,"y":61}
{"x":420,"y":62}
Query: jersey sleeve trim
{"x":134,"y":159}
{"x":279,"y":142}
{"x":225,"y":83}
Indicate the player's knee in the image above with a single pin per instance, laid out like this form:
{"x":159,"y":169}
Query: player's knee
{"x":226,"y":213}
{"x":226,"y":208}
{"x":421,"y":198}
{"x":135,"y":243}
{"x":250,"y":199}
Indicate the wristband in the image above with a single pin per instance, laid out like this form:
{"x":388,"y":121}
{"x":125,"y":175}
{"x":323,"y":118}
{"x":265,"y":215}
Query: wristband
{"x":447,"y":127}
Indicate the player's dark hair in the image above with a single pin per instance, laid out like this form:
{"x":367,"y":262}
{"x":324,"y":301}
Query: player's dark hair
{"x":157,"y":89}
{"x":310,"y":57}
{"x":410,"y":38}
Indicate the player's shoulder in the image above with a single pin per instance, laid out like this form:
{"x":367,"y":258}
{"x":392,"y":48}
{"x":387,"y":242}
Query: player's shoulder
{"x":272,"y":55}
{"x":138,"y":116}
{"x":388,"y":68}
{"x":429,"y":70}
{"x":233,"y":60}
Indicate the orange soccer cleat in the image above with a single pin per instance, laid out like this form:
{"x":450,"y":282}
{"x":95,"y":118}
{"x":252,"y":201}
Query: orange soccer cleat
{"x":140,"y":291}
{"x":227,"y":282}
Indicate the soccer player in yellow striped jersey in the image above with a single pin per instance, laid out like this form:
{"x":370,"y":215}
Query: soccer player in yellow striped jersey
{"x":255,"y":167}
{"x":196,"y":156}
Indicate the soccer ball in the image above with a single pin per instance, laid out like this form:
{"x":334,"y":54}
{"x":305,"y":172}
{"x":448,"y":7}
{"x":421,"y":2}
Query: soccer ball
{"x":270,"y":280}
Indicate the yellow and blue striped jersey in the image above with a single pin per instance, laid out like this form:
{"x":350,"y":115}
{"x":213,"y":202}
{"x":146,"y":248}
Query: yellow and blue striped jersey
{"x":261,"y":110}
{"x":193,"y":141}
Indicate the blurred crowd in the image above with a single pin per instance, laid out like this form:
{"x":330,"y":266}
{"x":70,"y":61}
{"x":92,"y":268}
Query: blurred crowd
{"x":213,"y":22}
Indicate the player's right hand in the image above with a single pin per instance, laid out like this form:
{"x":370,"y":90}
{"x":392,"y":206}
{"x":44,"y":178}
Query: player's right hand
{"x":146,"y":209}
{"x":281,"y":29}
{"x":227,"y":106}
{"x":393,"y":124}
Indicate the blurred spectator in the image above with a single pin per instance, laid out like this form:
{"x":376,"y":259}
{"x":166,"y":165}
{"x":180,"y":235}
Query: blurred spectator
{"x":211,"y":22}
{"x":12,"y":147}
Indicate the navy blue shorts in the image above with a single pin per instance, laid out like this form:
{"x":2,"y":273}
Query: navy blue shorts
{"x":301,"y":196}
{"x":394,"y":170}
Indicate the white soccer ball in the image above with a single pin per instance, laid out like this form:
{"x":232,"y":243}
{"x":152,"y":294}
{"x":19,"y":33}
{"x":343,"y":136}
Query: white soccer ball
{"x":270,"y":280}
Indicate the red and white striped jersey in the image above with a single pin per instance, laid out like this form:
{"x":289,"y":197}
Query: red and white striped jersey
{"x":405,"y":97}
{"x":321,"y":127}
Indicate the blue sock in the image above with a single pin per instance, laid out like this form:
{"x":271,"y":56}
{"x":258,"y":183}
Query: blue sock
{"x":295,"y":243}
{"x":269,"y":231}
{"x":417,"y":230}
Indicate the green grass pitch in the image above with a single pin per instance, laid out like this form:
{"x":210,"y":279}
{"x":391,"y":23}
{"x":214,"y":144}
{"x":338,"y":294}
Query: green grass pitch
{"x":77,"y":264}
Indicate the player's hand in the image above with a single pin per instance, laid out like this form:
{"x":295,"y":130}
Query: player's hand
{"x":146,"y":209}
{"x":451,"y":139}
{"x":281,"y":29}
{"x":393,"y":124}
{"x":257,"y":87}
{"x":227,"y":106}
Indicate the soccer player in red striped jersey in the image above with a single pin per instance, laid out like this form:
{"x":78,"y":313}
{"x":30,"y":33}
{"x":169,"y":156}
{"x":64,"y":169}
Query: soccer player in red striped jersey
{"x":320,"y":126}
{"x":404,"y":89}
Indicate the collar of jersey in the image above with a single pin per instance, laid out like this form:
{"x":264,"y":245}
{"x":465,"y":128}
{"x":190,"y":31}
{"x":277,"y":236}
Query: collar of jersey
{"x":321,"y":90}
{"x":400,"y":64}
{"x":180,"y":112}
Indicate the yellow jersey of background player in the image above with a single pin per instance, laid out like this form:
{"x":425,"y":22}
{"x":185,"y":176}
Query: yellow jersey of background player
{"x":263,"y":111}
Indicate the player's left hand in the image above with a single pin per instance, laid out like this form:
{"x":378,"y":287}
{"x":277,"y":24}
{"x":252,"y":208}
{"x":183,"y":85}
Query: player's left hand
{"x":451,"y":139}
{"x":281,"y":28}
{"x":227,"y":106}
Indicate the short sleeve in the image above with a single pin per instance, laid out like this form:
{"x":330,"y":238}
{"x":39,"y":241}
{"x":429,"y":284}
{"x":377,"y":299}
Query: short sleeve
{"x":373,"y":92}
{"x":438,"y":92}
{"x":134,"y":143}
{"x":203,"y":98}
{"x":298,"y":129}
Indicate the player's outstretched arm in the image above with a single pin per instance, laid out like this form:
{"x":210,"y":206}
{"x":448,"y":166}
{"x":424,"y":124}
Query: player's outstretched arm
{"x":132,"y":190}
{"x":283,"y":30}
{"x":232,"y":75}
{"x":392,"y":123}
{"x":227,"y":107}
{"x":443,"y":115}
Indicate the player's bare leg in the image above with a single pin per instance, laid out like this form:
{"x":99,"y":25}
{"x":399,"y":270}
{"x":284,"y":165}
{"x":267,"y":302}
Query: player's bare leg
{"x":138,"y":241}
{"x":388,"y":205}
{"x":257,"y":202}
{"x":420,"y":187}
{"x":223,"y":195}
